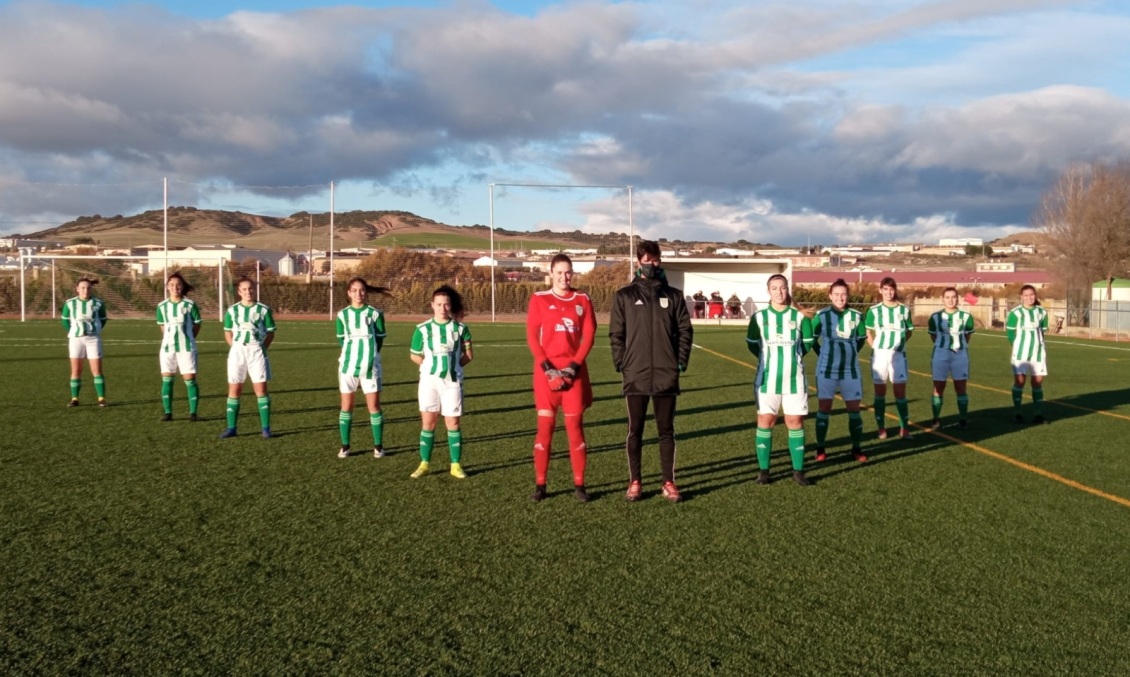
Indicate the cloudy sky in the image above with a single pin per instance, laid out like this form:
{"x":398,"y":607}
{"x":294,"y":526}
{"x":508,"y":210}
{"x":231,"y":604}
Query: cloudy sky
{"x":828,"y":120}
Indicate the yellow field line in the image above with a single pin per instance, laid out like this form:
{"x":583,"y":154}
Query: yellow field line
{"x":979,"y":449}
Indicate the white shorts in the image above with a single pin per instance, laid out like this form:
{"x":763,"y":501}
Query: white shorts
{"x":1029,"y":367}
{"x":171,"y":362}
{"x":248,"y":359}
{"x":347,"y":383}
{"x":789,"y":405}
{"x":441,"y":395}
{"x":89,"y":347}
{"x":888,"y":364}
{"x":948,"y":364}
{"x":851,"y":389}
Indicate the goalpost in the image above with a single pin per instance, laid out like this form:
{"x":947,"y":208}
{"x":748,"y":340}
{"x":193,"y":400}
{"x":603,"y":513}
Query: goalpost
{"x":124,"y":283}
{"x":552,"y":186}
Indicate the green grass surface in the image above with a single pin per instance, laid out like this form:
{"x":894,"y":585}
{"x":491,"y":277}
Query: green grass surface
{"x":459,"y":241}
{"x":133,"y":546}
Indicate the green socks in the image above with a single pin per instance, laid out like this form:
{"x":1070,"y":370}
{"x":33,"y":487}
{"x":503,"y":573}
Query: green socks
{"x":427,"y":441}
{"x":232,"y":411}
{"x":764,"y":445}
{"x":76,"y":385}
{"x":936,"y":405}
{"x":903,"y":406}
{"x":796,"y":448}
{"x":1018,"y":397}
{"x":193,"y":395}
{"x":264,"y":411}
{"x":1038,"y":399}
{"x":821,"y":428}
{"x":377,"y":423}
{"x":344,"y":423}
{"x":167,"y":393}
{"x":880,"y":408}
{"x":963,"y":406}
{"x":855,"y":427}
{"x":455,"y":445}
{"x":100,"y":386}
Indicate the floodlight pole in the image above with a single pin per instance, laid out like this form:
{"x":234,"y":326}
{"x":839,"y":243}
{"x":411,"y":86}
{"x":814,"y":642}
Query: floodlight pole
{"x":53,"y":301}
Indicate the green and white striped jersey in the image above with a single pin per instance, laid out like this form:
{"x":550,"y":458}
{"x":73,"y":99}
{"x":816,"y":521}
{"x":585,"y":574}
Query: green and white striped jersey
{"x":249,"y":324}
{"x":781,"y":339}
{"x":950,"y":331}
{"x":892,"y":325}
{"x":361,"y":332}
{"x":84,"y":318}
{"x":1026,"y":328}
{"x":839,"y":336}
{"x":441,"y":344}
{"x":179,"y":318}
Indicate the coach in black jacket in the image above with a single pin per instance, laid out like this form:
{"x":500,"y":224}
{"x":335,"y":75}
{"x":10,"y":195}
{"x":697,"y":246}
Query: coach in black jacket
{"x":651,"y":337}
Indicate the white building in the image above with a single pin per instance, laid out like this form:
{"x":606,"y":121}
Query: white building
{"x":210,"y":256}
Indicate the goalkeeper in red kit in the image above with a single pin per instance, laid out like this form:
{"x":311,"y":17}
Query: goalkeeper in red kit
{"x":560,"y":328}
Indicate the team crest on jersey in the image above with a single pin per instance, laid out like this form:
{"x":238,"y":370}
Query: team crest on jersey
{"x":789,"y":324}
{"x":663,"y":303}
{"x":580,"y":310}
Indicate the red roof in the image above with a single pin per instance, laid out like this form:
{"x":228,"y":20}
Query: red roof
{"x":923,"y":278}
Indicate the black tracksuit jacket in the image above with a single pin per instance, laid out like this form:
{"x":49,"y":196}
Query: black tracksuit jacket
{"x":651,"y":336}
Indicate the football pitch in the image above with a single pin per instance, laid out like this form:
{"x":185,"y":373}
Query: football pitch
{"x":129,"y":545}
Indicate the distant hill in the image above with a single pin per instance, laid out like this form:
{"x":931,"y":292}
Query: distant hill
{"x":189,"y":225}
{"x":1033,"y":237}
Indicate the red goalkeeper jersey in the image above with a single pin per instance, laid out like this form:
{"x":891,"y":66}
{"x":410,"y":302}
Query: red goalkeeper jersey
{"x":560,"y":329}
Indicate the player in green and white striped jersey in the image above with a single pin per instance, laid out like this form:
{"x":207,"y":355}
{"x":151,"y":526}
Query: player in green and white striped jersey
{"x":83,"y":318}
{"x":889,"y":327}
{"x":1026,"y":326}
{"x":361,"y":335}
{"x":442,"y":347}
{"x":249,"y":329}
{"x":779,"y":336}
{"x":951,"y":330}
{"x":179,"y":319}
{"x":839,"y":334}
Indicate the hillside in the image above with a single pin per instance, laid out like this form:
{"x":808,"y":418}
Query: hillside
{"x":189,"y":225}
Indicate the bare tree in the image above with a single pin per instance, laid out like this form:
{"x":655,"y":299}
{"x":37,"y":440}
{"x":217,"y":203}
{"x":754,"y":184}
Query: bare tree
{"x":1086,"y":216}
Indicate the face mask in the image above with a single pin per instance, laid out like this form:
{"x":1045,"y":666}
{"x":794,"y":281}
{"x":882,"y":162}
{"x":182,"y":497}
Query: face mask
{"x":648,"y":271}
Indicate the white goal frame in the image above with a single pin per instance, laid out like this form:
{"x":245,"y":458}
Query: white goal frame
{"x":490,"y":186}
{"x":27,"y":257}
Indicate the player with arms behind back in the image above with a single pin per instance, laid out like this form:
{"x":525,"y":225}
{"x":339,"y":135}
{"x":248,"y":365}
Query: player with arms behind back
{"x":889,"y":327}
{"x":249,"y":329}
{"x":179,"y":318}
{"x":560,"y":328}
{"x":1026,"y":326}
{"x":951,"y":330}
{"x":361,"y":334}
{"x":83,"y":318}
{"x":779,"y":335}
{"x":838,"y":335}
{"x":442,"y":347}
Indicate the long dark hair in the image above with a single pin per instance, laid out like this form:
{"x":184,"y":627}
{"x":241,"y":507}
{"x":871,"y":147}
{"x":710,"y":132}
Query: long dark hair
{"x":1028,"y":286}
{"x":454,"y":297}
{"x":368,"y":287}
{"x":89,"y":280}
{"x":839,"y":283}
{"x":185,"y":287}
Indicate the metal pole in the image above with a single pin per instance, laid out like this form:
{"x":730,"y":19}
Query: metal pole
{"x":53,"y":301}
{"x":220,"y":278}
{"x":165,"y":272}
{"x":23,"y":285}
{"x":490,"y":188}
{"x":256,"y":280}
{"x":631,"y":236}
{"x":331,"y":249}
